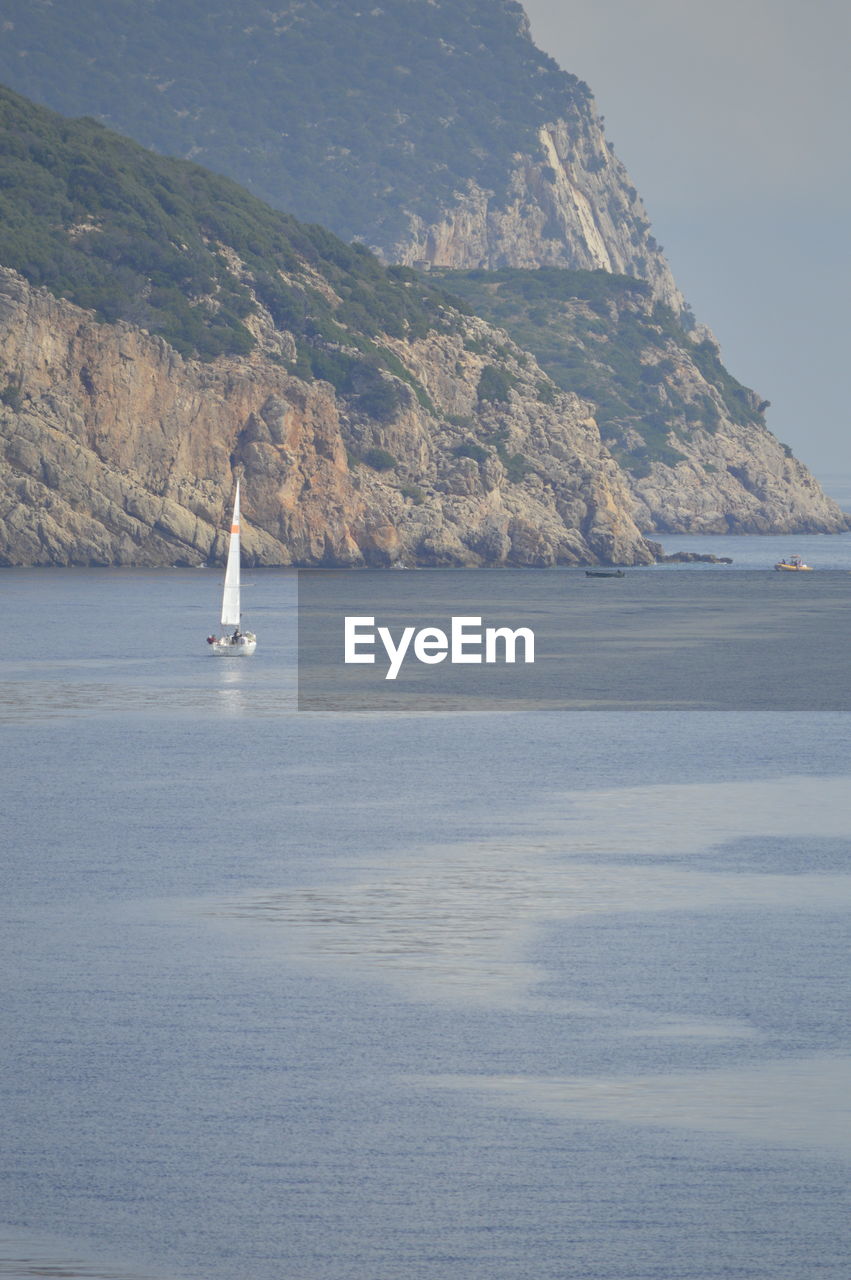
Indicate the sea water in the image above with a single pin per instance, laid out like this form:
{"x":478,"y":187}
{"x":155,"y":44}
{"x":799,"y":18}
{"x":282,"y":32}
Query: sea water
{"x":554,"y":994}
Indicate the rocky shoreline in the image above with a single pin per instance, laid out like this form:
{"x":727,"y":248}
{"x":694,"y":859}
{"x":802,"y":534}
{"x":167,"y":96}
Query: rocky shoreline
{"x":118,"y":451}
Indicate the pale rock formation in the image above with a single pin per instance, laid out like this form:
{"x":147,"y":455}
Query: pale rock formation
{"x":570,"y":205}
{"x":116,"y":450}
{"x":734,"y":480}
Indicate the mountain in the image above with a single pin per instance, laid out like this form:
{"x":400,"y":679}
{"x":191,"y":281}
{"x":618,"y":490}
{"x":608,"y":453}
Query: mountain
{"x":160,"y":327}
{"x":433,"y":130}
{"x":691,"y":440}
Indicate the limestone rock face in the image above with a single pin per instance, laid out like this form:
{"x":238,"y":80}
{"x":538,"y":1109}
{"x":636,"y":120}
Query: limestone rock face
{"x":734,"y":480}
{"x":116,"y":450}
{"x":735,"y":477}
{"x":570,"y":205}
{"x":692,"y":442}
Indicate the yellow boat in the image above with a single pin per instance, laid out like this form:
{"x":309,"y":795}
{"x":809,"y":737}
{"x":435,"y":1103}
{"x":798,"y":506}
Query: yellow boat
{"x":795,"y":564}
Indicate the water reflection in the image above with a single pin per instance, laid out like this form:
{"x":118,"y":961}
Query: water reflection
{"x":456,"y":922}
{"x":674,"y":820}
{"x":229,"y":692}
{"x":23,"y":1257}
{"x":232,"y":692}
{"x":802,"y":1102}
{"x":460,"y":932}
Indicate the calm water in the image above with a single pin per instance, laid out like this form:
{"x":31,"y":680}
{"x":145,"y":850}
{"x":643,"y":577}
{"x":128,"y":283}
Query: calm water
{"x":819,"y":550}
{"x":560,"y":994}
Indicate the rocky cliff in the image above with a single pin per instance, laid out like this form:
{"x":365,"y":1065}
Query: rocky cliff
{"x":432,"y":130}
{"x":732,"y":478}
{"x":118,"y":450}
{"x":693,"y":442}
{"x":568,"y":203}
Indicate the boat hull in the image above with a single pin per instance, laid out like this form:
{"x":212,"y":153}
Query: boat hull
{"x":227,"y":647}
{"x":794,"y":568}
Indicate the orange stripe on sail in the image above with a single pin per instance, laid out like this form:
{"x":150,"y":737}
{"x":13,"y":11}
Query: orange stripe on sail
{"x":234,"y":528}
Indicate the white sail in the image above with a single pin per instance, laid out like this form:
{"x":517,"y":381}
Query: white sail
{"x":230,"y":598}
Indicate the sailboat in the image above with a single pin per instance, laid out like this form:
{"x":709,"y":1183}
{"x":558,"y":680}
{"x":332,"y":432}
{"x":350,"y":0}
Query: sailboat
{"x":240,"y":643}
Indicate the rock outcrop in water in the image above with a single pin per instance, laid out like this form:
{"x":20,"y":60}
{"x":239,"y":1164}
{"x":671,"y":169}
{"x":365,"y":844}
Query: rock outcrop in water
{"x":117,"y":450}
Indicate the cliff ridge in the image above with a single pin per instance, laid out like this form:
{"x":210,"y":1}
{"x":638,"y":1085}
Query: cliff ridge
{"x":117,"y":450}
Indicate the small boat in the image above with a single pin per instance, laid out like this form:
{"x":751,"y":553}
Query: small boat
{"x":795,"y":564}
{"x":240,"y":643}
{"x":604,"y":573}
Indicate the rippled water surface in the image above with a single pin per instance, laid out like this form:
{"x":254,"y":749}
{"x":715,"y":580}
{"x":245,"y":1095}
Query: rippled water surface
{"x":552,"y":994}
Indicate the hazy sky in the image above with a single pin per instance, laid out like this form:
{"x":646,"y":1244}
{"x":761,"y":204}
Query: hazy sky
{"x":732,"y":119}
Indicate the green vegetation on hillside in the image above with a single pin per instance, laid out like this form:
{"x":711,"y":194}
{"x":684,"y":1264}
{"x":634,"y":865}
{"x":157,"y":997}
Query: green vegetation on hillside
{"x":99,"y":220}
{"x":340,"y":113}
{"x":602,"y":337}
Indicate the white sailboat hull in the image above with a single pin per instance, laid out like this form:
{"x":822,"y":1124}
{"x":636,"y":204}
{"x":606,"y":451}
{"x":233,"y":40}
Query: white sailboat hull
{"x":227,"y":647}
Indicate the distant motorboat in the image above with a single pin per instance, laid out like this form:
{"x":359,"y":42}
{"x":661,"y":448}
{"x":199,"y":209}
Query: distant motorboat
{"x":795,"y":564}
{"x":604,"y":573}
{"x":240,"y":643}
